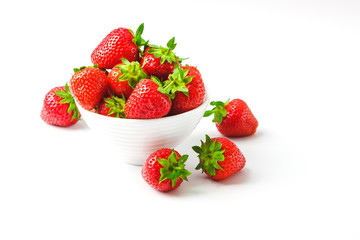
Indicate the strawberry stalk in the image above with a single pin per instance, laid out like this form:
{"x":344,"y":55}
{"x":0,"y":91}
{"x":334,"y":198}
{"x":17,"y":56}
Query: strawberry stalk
{"x":160,"y":86}
{"x":138,"y":40}
{"x":173,"y":169}
{"x":131,"y":71}
{"x":166,"y":53}
{"x":68,"y":98}
{"x":210,"y":154}
{"x":176,"y":83}
{"x":219,"y":111}
{"x":116,"y":106}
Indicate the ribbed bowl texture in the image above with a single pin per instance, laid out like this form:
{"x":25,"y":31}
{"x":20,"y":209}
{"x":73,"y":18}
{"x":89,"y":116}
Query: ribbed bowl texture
{"x":135,"y":139}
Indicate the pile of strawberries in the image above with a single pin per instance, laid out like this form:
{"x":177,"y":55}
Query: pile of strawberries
{"x":137,"y":80}
{"x":134,"y":79}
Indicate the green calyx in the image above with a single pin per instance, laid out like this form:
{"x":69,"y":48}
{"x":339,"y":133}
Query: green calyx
{"x":83,"y":67}
{"x":210,"y":154}
{"x":160,"y":85}
{"x":131,"y":71}
{"x":116,"y":106}
{"x":166,"y":53}
{"x":138,"y":40}
{"x":177,"y":82}
{"x":219,"y":111}
{"x":68,"y":98}
{"x":173,"y":169}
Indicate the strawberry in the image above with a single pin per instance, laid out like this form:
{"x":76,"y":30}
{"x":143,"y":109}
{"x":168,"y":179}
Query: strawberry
{"x":165,"y":170}
{"x":219,"y":158}
{"x":88,"y":85}
{"x":59,"y":107}
{"x":233,"y":118}
{"x":159,"y":61}
{"x":112,"y":106}
{"x":187,"y":89}
{"x":124,"y":77}
{"x":148,"y":100}
{"x":119,"y":43}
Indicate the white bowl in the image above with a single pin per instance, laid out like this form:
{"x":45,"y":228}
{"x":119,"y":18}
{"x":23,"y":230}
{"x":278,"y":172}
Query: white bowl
{"x":136,"y":139}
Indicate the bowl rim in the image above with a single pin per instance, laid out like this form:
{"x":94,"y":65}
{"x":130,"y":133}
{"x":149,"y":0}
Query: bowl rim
{"x":205,"y":102}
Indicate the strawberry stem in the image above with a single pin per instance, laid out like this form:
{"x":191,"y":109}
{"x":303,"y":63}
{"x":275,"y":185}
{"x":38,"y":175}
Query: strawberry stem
{"x":166,"y":53}
{"x":68,"y":98}
{"x":177,"y":82}
{"x":173,"y":169}
{"x":132,"y":72}
{"x":116,"y":106}
{"x":219,"y":111}
{"x":209,"y":153}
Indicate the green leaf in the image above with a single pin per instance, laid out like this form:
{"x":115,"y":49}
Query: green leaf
{"x":166,"y":53}
{"x":116,"y":106}
{"x":207,"y":140}
{"x":211,"y":170}
{"x":83,"y":67}
{"x":156,"y":80}
{"x":183,"y":158}
{"x":208,"y":113}
{"x":125,"y":61}
{"x":219,"y":118}
{"x":177,"y":82}
{"x":140,"y":29}
{"x":217,"y":103}
{"x":62,"y":94}
{"x":219,"y":111}
{"x":131,"y":72}
{"x":67,"y":98}
{"x":172,"y":168}
{"x":209,"y":154}
{"x":197,"y":149}
{"x":163,"y":162}
{"x":171,"y":44}
{"x":200,"y":166}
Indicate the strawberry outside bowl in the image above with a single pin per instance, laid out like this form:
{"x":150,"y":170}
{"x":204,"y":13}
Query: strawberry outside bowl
{"x":135,"y":139}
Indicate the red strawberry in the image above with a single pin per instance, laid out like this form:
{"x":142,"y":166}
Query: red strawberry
{"x":88,"y":85}
{"x":112,"y":106}
{"x":187,"y":89}
{"x":124,"y":77}
{"x":234,"y":118}
{"x":159,"y":61}
{"x":165,"y":170}
{"x":59,"y":107}
{"x":219,"y":158}
{"x":146,"y":101}
{"x":119,"y":43}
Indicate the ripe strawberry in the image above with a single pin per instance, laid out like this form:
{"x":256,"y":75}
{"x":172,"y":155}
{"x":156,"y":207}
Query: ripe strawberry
{"x":219,"y":158}
{"x":159,"y":61}
{"x":234,"y":118}
{"x":119,"y":43}
{"x":165,"y":170}
{"x":88,"y":85}
{"x":146,"y":101}
{"x":124,"y":77}
{"x":59,"y":107}
{"x":112,"y":106}
{"x":187,"y":89}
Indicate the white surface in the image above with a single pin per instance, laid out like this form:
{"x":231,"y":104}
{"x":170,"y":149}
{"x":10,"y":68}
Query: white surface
{"x":296,"y":64}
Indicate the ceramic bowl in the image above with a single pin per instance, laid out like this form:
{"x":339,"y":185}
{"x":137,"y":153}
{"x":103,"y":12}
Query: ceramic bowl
{"x":135,"y":139}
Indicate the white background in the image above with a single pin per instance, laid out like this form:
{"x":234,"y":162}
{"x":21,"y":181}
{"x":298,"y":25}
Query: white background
{"x":296,"y":64}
